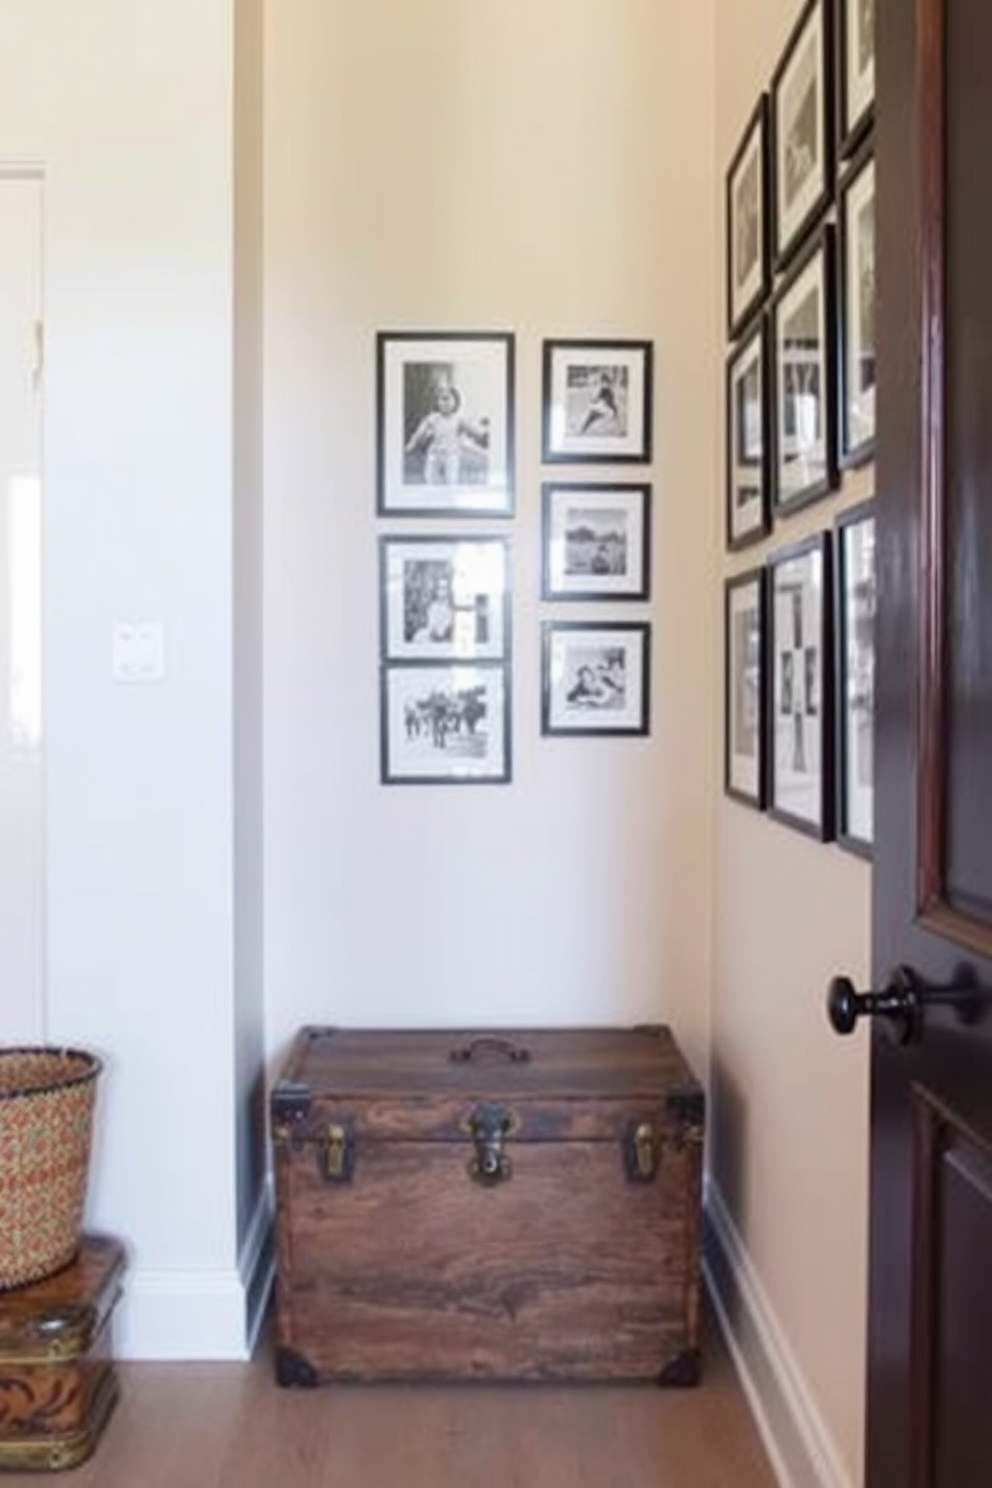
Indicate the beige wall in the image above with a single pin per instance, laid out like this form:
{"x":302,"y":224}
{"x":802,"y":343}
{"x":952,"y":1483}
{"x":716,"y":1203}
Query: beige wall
{"x":790,"y":1122}
{"x":548,"y":169}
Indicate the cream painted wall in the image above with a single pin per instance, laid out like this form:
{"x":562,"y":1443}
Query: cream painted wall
{"x":126,"y":106}
{"x":790,"y":1109}
{"x":548,"y":169}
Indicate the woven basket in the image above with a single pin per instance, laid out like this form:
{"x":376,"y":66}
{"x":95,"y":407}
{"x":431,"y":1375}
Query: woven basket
{"x":46,"y":1117}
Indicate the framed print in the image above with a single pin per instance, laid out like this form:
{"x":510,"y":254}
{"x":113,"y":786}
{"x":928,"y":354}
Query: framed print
{"x":748,"y":247}
{"x":858,"y":370}
{"x":745,"y":675}
{"x":595,"y":678}
{"x":445,"y":724}
{"x":802,"y":129}
{"x":595,"y":541}
{"x":803,"y":336}
{"x":597,"y":402}
{"x":444,"y":598}
{"x":444,"y":413}
{"x":801,"y":784}
{"x":748,"y":442}
{"x":857,"y":71}
{"x":855,"y":619}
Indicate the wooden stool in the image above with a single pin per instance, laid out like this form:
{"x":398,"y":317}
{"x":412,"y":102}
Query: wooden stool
{"x":57,"y":1381}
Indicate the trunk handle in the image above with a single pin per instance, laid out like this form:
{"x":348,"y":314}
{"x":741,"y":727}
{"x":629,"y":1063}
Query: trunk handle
{"x":515,"y":1053}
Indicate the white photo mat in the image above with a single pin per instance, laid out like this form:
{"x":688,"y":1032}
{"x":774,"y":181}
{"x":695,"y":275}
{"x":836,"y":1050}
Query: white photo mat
{"x":802,"y":353}
{"x":858,"y":298}
{"x":445,"y":424}
{"x":444,"y":598}
{"x":596,"y":541}
{"x":744,"y":701}
{"x":856,"y":561}
{"x":747,"y":462}
{"x":445,"y":724}
{"x":800,"y":114}
{"x":597,"y":401}
{"x":596,"y":678}
{"x":799,"y":697}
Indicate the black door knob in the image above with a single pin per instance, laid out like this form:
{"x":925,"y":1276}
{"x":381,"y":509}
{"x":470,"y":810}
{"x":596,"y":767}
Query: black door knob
{"x":898,"y":1004}
{"x":902,"y":1002}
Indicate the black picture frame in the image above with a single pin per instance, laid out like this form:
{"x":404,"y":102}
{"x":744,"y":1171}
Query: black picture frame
{"x":745,"y":693}
{"x":855,"y":598}
{"x":444,"y":597}
{"x":445,"y":423}
{"x":748,"y":221}
{"x":597,"y":398}
{"x":446,"y":723}
{"x":803,"y":355}
{"x":855,"y":73}
{"x":856,"y":290}
{"x":747,"y":503}
{"x":802,"y":130}
{"x":595,"y":678}
{"x":801,"y":740}
{"x":595,"y":541}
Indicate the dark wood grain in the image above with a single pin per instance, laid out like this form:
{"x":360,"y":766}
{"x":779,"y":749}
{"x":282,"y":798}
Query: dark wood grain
{"x":567,"y":1269}
{"x":930,"y":1297}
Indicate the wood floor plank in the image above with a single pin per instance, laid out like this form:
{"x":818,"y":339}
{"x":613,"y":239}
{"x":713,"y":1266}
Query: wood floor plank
{"x":229,"y":1426}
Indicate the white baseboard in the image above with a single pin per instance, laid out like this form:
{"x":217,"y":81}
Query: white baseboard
{"x":199,"y":1314}
{"x":257,"y":1263}
{"x":795,"y":1437}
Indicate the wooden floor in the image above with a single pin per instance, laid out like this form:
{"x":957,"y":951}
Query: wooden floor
{"x":229,"y":1426}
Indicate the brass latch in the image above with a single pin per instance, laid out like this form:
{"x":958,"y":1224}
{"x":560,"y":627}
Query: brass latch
{"x":488,"y":1125}
{"x":640,"y":1152}
{"x":338,"y":1153}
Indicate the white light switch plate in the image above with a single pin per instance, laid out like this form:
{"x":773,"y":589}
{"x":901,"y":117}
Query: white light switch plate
{"x":139,"y":651}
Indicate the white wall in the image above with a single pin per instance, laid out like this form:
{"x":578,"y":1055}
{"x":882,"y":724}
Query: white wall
{"x":127,"y":105}
{"x":22,"y":783}
{"x":549,"y":170}
{"x":790,"y":1100}
{"x":249,"y":1110}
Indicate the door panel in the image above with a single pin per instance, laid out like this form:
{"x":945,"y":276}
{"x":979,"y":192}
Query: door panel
{"x":930,"y":1325}
{"x":968,"y":448}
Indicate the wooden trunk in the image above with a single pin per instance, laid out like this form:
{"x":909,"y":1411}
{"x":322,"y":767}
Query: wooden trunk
{"x":487,"y":1207}
{"x":57,"y":1381}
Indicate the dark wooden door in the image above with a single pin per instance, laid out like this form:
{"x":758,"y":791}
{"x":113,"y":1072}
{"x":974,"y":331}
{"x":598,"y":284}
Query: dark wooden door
{"x":930,"y":1325}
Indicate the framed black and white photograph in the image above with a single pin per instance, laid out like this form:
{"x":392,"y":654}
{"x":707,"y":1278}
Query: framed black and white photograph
{"x":802,"y":129}
{"x":444,"y":598}
{"x":748,"y":439}
{"x":445,"y":724}
{"x":855,"y":619}
{"x":595,"y":541}
{"x":595,"y":678}
{"x":747,"y":208}
{"x":444,"y":406}
{"x":597,"y":402}
{"x":858,"y":363}
{"x":800,"y":661}
{"x":745,"y":678}
{"x":857,"y":71}
{"x":804,"y":365}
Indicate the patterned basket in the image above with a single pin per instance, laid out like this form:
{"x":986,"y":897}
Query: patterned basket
{"x":46,"y":1116}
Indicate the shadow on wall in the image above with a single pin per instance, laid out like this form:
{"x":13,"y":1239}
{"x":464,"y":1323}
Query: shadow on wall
{"x":728,"y":1128}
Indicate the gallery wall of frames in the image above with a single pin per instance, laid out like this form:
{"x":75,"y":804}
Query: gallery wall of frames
{"x":445,"y":422}
{"x":800,"y":412}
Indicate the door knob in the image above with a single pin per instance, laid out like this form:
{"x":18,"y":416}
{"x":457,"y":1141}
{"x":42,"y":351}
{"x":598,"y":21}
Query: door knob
{"x":901,"y":1003}
{"x":898,"y":1003}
